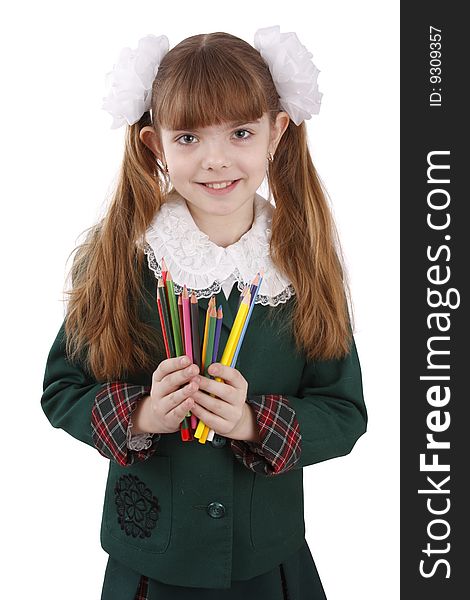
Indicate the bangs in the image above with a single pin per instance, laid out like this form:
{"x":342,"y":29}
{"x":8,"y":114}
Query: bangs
{"x":207,"y":88}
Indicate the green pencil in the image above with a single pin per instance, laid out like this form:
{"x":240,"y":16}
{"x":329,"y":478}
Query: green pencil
{"x":175,"y":320}
{"x":166,"y":316}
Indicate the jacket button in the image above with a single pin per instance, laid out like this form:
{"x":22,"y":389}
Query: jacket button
{"x":218,"y":441}
{"x":216,"y":510}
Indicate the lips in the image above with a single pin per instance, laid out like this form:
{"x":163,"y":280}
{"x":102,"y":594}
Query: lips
{"x":219,"y":182}
{"x":220,"y":191}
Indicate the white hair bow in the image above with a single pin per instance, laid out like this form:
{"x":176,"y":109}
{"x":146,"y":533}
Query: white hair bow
{"x":130,"y":81}
{"x":294,"y":75}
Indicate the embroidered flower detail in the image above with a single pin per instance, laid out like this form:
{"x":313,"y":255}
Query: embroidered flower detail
{"x":136,"y":506}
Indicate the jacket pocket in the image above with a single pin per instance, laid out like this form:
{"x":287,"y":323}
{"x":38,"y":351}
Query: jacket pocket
{"x":277,"y":509}
{"x":138,"y":504}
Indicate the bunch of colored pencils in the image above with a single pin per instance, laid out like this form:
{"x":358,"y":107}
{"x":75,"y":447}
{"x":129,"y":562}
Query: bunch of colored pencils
{"x":179,"y":319}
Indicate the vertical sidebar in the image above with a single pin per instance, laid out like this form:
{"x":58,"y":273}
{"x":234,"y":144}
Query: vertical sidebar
{"x":434,"y":258}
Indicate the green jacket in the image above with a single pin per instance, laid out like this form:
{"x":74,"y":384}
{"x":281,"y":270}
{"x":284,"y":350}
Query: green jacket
{"x":216,"y":519}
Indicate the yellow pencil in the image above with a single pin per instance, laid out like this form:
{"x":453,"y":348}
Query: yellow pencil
{"x":205,"y":433}
{"x":236,"y":330}
{"x":199,"y":430}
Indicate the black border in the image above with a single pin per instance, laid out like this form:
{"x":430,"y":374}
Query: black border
{"x":425,"y":129}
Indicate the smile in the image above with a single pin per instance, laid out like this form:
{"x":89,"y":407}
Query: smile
{"x":221,"y":188}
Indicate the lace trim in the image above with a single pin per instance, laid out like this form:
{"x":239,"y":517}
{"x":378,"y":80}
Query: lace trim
{"x":216,"y":287}
{"x":139,"y":441}
{"x":204,"y":267}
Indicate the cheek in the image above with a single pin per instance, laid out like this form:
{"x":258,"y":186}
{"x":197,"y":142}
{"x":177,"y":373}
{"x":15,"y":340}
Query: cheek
{"x":179,"y":167}
{"x":255,"y":161}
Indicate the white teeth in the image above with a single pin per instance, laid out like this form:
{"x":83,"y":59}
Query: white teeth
{"x":218,"y":186}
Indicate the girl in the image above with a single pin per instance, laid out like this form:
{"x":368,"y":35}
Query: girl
{"x":206,"y":122}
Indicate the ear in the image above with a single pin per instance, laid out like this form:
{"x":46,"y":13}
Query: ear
{"x":149,"y":137}
{"x":278,"y":128}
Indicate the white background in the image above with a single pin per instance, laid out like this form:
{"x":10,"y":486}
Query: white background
{"x":59,"y":157}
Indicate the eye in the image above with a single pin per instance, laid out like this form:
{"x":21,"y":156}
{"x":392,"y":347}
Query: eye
{"x":241,"y":131}
{"x":183,"y":139}
{"x":185,"y":135}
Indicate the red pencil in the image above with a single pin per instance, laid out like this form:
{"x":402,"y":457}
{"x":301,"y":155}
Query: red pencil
{"x":164,"y":271}
{"x":165,"y":339}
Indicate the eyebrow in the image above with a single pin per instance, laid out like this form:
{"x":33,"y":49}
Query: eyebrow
{"x":233,"y":124}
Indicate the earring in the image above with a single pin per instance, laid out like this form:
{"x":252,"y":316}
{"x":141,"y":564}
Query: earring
{"x":270,"y":157}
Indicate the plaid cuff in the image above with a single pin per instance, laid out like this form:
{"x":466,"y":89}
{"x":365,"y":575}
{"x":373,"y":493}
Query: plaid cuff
{"x":279,"y":448}
{"x":110,"y":417}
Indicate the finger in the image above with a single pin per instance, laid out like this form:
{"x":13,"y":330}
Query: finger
{"x":217,"y":406}
{"x":175,"y":380}
{"x":169,"y":365}
{"x":228,"y":374}
{"x":210,"y":419}
{"x":175,"y":398}
{"x":220,"y":389}
{"x":180,"y":411}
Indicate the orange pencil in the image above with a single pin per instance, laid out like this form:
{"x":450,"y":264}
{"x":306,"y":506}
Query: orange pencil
{"x":206,"y":329}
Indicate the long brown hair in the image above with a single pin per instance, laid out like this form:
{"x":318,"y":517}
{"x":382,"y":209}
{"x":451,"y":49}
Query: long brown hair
{"x":206,"y":79}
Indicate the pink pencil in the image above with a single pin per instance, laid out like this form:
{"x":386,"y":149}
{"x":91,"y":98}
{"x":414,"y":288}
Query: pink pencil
{"x":180,"y":316}
{"x":188,"y":347}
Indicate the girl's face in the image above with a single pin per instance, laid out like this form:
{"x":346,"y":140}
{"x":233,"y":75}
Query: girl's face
{"x":232,"y":152}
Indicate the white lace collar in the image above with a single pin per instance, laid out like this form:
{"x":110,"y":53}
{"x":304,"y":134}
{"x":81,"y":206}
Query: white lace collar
{"x":193,"y":259}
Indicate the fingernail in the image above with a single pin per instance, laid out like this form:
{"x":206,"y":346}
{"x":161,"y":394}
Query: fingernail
{"x":213,"y":370}
{"x":185,"y":361}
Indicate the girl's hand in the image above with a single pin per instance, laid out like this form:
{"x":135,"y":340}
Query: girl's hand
{"x":169,"y":402}
{"x":225,"y":413}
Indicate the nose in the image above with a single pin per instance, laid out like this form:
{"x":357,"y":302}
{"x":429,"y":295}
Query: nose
{"x":216,"y":156}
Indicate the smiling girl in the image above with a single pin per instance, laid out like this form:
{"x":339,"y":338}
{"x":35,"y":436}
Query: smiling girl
{"x":206,"y":123}
{"x":218,"y":170}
